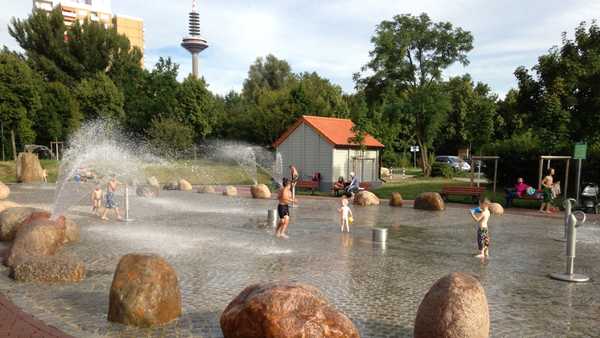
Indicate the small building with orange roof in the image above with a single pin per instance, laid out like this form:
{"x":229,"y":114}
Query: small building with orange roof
{"x":323,"y":145}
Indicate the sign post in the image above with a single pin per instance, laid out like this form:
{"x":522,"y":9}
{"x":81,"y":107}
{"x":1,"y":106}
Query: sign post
{"x":414,"y":150}
{"x":579,"y":154}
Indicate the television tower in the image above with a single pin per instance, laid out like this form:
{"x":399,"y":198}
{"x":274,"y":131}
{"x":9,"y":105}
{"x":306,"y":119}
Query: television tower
{"x":194,"y":43}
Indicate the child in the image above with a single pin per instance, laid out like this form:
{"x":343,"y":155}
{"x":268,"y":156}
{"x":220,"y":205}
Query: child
{"x":346,"y":215}
{"x":96,"y":200}
{"x":482,"y":217}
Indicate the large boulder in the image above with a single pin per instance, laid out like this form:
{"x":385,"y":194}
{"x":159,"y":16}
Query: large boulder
{"x":284,"y":310}
{"x":430,"y":201}
{"x":365,"y":198}
{"x":38,"y":236}
{"x":496,"y":209}
{"x":206,"y":189}
{"x":396,"y":200}
{"x":454,"y":307}
{"x":153,"y":182}
{"x":5,"y":205}
{"x":72,"y":231}
{"x":385,"y":172}
{"x":29,"y":168}
{"x":230,"y":191}
{"x":49,"y":269}
{"x":144,"y":292}
{"x":185,"y":185}
{"x":260,"y":191}
{"x":4,"y":191}
{"x":11,"y":219}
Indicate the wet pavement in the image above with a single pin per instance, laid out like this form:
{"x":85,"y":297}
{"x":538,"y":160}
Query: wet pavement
{"x":219,"y":245}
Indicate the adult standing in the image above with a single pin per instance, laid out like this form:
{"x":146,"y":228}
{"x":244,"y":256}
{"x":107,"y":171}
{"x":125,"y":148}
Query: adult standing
{"x":110,"y":203}
{"x":295,"y":178}
{"x":547,"y":183}
{"x":284,"y":197}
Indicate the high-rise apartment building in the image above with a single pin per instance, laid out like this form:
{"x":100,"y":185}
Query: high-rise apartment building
{"x":99,"y":11}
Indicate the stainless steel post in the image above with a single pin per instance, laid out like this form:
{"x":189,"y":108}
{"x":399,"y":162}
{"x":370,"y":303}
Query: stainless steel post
{"x":126,"y":204}
{"x":569,"y":275}
{"x":380,"y":234}
{"x":578,"y":180}
{"x":272,"y":218}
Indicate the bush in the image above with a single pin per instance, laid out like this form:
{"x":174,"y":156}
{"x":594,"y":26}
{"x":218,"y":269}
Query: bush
{"x":404,"y":161}
{"x":441,"y":170}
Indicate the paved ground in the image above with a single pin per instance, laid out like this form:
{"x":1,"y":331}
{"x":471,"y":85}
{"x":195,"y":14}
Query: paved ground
{"x":218,"y":246}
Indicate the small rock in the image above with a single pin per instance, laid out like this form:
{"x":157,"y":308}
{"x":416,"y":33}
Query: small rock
{"x":4,"y":191}
{"x":49,"y":269}
{"x":206,"y":189}
{"x":396,"y":200}
{"x":230,"y":191}
{"x":496,"y":209}
{"x":153,"y":182}
{"x":454,"y":307}
{"x":365,"y":198}
{"x":144,"y":292}
{"x":185,"y":185}
{"x":430,"y":201}
{"x":171,"y":186}
{"x":260,"y":191}
{"x":284,"y":310}
{"x":147,"y":191}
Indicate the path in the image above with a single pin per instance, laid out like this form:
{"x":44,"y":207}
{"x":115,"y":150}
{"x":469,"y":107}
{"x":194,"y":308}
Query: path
{"x":16,"y":323}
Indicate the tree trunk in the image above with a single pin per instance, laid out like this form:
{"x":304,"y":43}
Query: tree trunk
{"x":14,"y":146}
{"x":425,"y":165}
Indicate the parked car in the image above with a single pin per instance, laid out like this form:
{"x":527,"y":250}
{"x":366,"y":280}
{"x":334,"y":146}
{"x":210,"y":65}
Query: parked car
{"x":454,"y":161}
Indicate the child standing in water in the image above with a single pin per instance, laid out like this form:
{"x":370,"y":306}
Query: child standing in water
{"x":96,"y":200}
{"x":345,"y":215}
{"x":482,"y":217}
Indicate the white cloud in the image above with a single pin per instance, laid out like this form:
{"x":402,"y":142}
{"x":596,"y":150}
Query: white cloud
{"x":333,"y":37}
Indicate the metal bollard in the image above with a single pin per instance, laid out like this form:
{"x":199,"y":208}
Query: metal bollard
{"x":569,"y":276}
{"x":126,"y":204}
{"x":380,"y":235}
{"x":272,"y":218}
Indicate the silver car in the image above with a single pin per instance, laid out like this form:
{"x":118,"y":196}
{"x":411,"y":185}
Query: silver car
{"x":454,"y":161}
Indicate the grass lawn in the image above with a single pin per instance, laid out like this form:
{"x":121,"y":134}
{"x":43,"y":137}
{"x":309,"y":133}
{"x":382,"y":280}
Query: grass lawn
{"x":412,"y":187}
{"x":196,"y":172}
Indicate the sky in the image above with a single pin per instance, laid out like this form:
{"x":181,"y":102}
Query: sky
{"x":332,"y":37}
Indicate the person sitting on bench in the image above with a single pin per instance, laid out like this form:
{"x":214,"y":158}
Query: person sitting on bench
{"x":518,"y":191}
{"x":339,"y":186}
{"x":354,"y":185}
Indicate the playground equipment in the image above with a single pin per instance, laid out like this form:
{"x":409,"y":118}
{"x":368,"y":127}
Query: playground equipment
{"x":571,"y":225}
{"x":484,"y":158}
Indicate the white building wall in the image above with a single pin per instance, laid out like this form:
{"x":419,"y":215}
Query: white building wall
{"x":346,"y":161}
{"x":309,"y":152}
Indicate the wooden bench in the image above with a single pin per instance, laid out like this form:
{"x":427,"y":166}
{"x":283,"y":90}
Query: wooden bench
{"x":312,"y":185}
{"x":474,"y":192}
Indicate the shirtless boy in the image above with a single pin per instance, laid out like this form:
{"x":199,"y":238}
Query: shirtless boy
{"x":96,"y":200}
{"x":284,"y":197}
{"x":111,"y":188}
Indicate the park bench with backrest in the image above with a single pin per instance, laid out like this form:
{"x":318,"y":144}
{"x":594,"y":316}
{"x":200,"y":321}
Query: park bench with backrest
{"x":474,"y":192}
{"x":312,"y":184}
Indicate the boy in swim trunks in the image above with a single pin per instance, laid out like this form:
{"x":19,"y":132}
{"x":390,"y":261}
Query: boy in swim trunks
{"x":110,"y":203}
{"x":482,"y":217}
{"x":284,"y":197}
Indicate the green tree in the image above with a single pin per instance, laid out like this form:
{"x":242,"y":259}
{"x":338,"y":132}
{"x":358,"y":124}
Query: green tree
{"x":19,"y":97}
{"x":196,"y":106}
{"x":269,"y":73}
{"x":60,"y":115}
{"x":170,"y":136}
{"x":70,"y":54}
{"x":98,"y":97}
{"x":409,"y":56}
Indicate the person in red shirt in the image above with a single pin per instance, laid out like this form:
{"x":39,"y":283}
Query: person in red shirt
{"x":519,"y":190}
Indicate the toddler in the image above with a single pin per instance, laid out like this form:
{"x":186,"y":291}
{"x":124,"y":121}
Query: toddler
{"x":96,"y":200}
{"x":481,"y":215}
{"x":345,"y":215}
